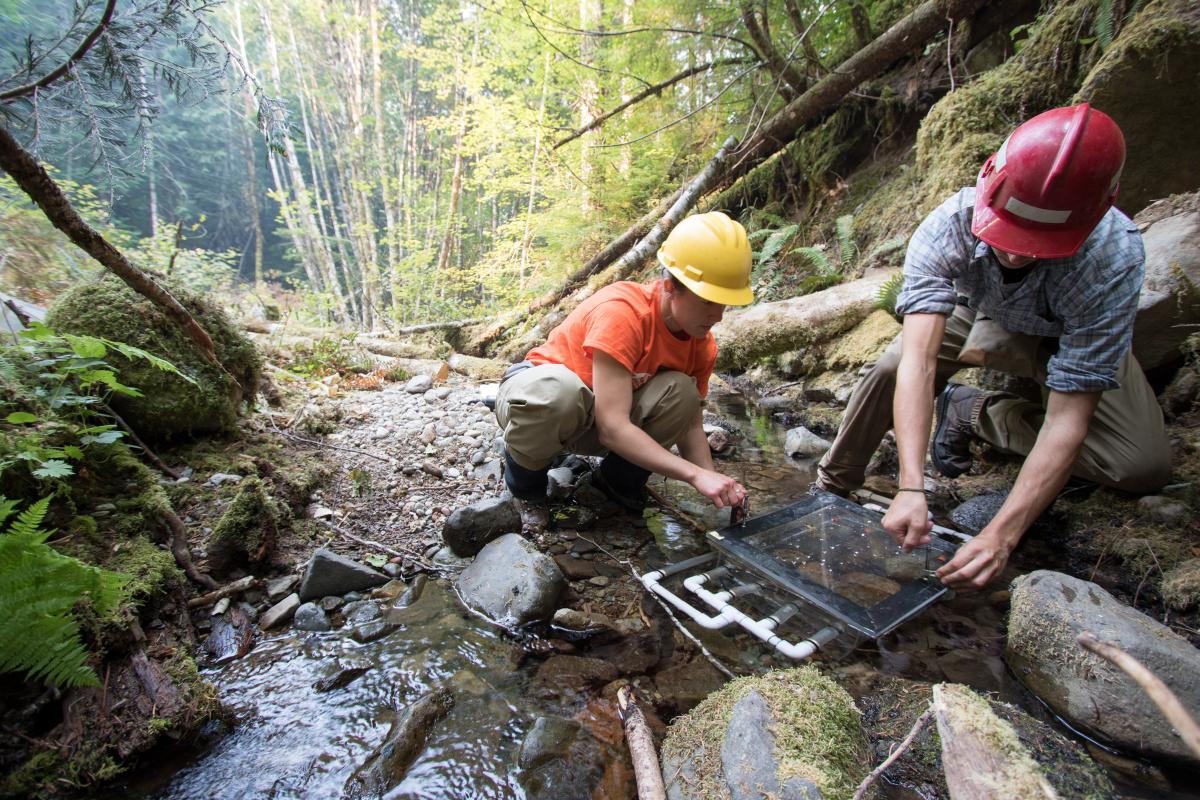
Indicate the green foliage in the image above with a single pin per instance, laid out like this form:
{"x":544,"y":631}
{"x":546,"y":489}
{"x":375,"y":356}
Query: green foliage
{"x":39,"y":587}
{"x":51,"y":388}
{"x":885,"y":299}
{"x":329,"y":355}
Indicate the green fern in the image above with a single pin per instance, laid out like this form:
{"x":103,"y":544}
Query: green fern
{"x":847,"y":249}
{"x":1104,"y":23}
{"x":775,"y":243}
{"x":886,"y":298}
{"x":39,"y":588}
{"x":819,"y":259}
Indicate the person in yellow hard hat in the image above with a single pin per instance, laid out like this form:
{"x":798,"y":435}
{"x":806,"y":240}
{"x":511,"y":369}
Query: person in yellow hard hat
{"x":625,"y":374}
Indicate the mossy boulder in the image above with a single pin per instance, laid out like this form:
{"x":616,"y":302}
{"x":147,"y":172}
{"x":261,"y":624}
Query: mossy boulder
{"x":170,"y":406}
{"x":801,"y":722}
{"x":247,"y":532}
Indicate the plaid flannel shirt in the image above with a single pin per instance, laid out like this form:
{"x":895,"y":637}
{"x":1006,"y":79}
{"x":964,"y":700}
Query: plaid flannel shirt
{"x":1088,"y":300}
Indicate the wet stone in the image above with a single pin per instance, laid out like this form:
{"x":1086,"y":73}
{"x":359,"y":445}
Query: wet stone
{"x":281,"y":612}
{"x":576,"y":568}
{"x":566,"y":674}
{"x":281,"y":587}
{"x":311,"y":617}
{"x":361,"y":612}
{"x":343,"y":677}
{"x":373,"y":631}
{"x":549,"y":738}
{"x":389,"y":591}
{"x":329,"y":573}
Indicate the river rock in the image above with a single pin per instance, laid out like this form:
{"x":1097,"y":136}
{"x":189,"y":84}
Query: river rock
{"x":328,"y":573}
{"x":281,"y":612}
{"x":549,"y":738}
{"x":343,"y":677}
{"x":1163,"y":509}
{"x":684,"y":686}
{"x":511,"y":581}
{"x":559,"y":674}
{"x":560,"y":482}
{"x":803,"y":443}
{"x":974,"y":515}
{"x":311,"y":617}
{"x":360,"y":612}
{"x":281,"y":587}
{"x":824,"y":754}
{"x":418,"y":384}
{"x":1049,"y":610}
{"x":468,"y":529}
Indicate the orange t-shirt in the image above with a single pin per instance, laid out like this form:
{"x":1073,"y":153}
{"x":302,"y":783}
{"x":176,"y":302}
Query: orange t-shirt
{"x":625,"y":321}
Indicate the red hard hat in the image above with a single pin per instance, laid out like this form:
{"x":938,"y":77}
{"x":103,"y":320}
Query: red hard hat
{"x":1041,"y":194}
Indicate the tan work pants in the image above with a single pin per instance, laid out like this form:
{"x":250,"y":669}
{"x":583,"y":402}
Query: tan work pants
{"x":1126,"y":445}
{"x":547,"y":410}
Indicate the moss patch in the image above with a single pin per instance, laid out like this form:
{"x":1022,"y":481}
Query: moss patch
{"x":247,"y":531}
{"x":1181,"y":585}
{"x":171,"y":406}
{"x":817,"y":733}
{"x":865,"y":343}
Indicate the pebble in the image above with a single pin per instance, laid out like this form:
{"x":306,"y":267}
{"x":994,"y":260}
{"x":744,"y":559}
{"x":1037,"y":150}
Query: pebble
{"x":599,"y":580}
{"x":218,"y":478}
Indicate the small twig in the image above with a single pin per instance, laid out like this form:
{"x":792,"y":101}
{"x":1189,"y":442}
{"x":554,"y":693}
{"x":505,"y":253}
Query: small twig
{"x":314,"y":443}
{"x":404,"y":552}
{"x":949,"y":59}
{"x":663,"y":501}
{"x":891,"y":759}
{"x":780,"y":388}
{"x":1151,"y":684}
{"x":150,"y":454}
{"x":228,"y":590}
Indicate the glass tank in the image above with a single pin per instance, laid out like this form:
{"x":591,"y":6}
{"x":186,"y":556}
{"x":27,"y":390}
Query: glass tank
{"x":831,"y":554}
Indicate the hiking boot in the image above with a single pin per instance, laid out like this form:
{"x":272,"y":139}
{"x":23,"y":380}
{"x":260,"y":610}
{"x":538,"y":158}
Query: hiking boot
{"x":958,"y":410}
{"x":620,"y":481}
{"x":535,"y":517}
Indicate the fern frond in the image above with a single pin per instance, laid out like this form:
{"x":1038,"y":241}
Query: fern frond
{"x":817,"y":257}
{"x":1104,"y":23}
{"x":39,"y":589}
{"x":776,"y":242}
{"x":886,"y":298}
{"x":847,"y":249}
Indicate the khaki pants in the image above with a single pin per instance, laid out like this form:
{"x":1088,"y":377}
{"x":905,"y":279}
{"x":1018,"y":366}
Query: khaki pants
{"x":547,"y":410}
{"x":1126,"y":445}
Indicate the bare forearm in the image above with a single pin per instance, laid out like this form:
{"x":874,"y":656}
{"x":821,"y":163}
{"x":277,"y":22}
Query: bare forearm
{"x":1045,"y":471}
{"x":693,"y":446}
{"x":912,"y":410}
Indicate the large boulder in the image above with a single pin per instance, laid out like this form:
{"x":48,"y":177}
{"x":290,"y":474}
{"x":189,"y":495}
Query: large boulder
{"x":1049,"y":610}
{"x":1141,"y":81}
{"x":511,"y":582}
{"x":1169,"y":305}
{"x":787,"y":734}
{"x":168,"y":406}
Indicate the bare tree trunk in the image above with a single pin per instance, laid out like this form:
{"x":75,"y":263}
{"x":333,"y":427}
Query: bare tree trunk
{"x":790,"y":82}
{"x":35,"y":182}
{"x":382,"y":163}
{"x":248,"y":146}
{"x":533,"y":168}
{"x":590,"y":12}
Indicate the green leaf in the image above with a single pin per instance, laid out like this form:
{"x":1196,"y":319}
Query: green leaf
{"x":20,"y":418}
{"x":72,"y":451}
{"x":108,"y":437}
{"x":376,"y":560}
{"x":54,"y":469}
{"x":86,"y":346}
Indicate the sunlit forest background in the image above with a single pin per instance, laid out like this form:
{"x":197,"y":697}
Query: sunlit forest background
{"x":384,"y":162}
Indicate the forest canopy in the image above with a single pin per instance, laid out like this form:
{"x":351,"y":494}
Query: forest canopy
{"x":397,"y":161}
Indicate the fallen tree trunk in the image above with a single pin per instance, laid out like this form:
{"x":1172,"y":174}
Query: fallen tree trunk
{"x":641,"y":748}
{"x":768,"y":329}
{"x":982,"y":758}
{"x":386,"y":767}
{"x":41,"y":188}
{"x":435,"y":368}
{"x":479,"y":369}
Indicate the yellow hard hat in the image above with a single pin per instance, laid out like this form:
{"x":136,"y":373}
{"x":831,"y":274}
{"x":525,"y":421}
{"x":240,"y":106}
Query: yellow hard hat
{"x":710,"y":255}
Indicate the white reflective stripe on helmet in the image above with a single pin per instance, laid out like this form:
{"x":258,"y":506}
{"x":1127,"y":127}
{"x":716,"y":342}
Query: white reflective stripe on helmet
{"x":1002,"y":154}
{"x":1035,"y":214}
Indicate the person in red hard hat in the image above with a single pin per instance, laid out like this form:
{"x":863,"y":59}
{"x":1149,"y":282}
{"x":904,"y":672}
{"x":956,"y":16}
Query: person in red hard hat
{"x":1036,"y":273}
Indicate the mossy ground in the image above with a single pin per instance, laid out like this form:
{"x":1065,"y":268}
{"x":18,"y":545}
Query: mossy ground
{"x":817,"y":735}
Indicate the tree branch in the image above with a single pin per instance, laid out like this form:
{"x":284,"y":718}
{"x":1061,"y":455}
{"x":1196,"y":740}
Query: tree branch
{"x":791,"y":82}
{"x":1151,"y":684}
{"x":42,"y":189}
{"x":79,"y":53}
{"x":647,"y":92}
{"x":797,"y":20}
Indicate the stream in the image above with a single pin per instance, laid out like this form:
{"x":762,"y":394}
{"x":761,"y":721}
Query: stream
{"x":285,"y":739}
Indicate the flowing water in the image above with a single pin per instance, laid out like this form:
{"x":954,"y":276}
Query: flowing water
{"x":285,"y":739}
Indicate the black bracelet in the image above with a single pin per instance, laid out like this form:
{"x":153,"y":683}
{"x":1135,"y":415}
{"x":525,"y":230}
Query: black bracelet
{"x":922,"y":491}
